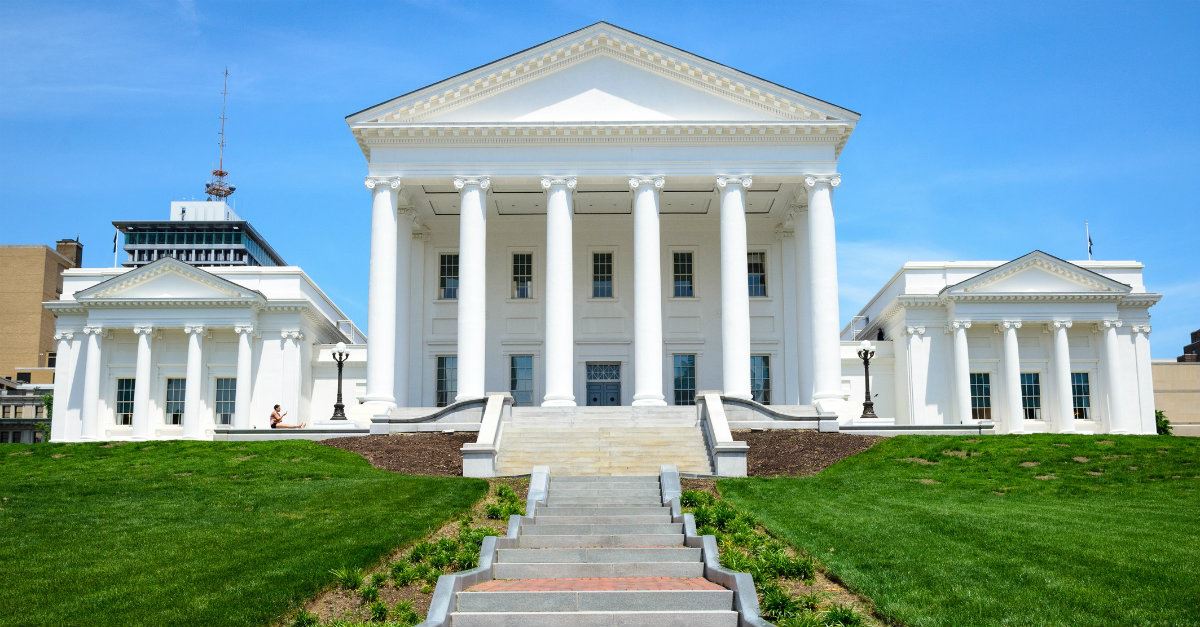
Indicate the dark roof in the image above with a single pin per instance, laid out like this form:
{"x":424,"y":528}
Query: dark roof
{"x":605,"y":23}
{"x":125,"y":226}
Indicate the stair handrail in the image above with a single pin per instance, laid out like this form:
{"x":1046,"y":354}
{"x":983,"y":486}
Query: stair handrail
{"x":440,"y":412}
{"x":767,"y":409}
{"x":745,"y":598}
{"x":479,"y":457}
{"x":726,"y":455}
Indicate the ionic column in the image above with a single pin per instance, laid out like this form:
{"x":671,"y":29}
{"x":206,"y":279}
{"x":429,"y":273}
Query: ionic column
{"x":1064,"y":422}
{"x":917,"y":362}
{"x":403,"y":317}
{"x":823,"y":299}
{"x":193,"y":429}
{"x":1015,"y":418}
{"x":1118,"y":422}
{"x":962,"y":370}
{"x":245,"y":356}
{"x":472,"y":285}
{"x":141,"y":383}
{"x":804,"y":305}
{"x":647,"y":292}
{"x":791,"y":343}
{"x":381,"y":296}
{"x":90,"y":418}
{"x":62,"y":428}
{"x":735,"y":293}
{"x":1145,"y":378}
{"x":560,"y":331}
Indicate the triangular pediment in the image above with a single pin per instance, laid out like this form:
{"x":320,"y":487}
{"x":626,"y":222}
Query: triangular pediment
{"x":1038,"y":273}
{"x":605,"y":74}
{"x":167,"y":279}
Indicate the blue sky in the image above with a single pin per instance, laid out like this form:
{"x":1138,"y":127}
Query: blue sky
{"x":989,"y":128}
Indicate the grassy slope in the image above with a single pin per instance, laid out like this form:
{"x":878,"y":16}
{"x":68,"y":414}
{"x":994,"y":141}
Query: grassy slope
{"x":991,"y":543}
{"x":196,"y":532}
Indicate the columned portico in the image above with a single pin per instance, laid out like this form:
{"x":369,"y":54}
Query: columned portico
{"x":735,"y":298}
{"x":142,"y":382}
{"x":1064,"y":420}
{"x":560,"y":293}
{"x":245,"y":356}
{"x":62,"y":428}
{"x":381,"y":310}
{"x":192,"y":427}
{"x":823,"y":300}
{"x":472,"y":279}
{"x":91,"y":384}
{"x":647,"y":288}
{"x":1118,"y":422}
{"x":962,"y":370}
{"x":1014,"y":418}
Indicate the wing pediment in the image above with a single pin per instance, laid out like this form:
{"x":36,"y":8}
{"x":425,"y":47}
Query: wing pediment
{"x":167,"y":280}
{"x":1038,"y":273}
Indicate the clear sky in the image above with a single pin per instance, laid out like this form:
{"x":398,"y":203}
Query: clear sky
{"x":989,"y":129}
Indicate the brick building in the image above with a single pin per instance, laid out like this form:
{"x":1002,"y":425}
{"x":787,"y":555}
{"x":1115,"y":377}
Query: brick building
{"x":29,"y":276}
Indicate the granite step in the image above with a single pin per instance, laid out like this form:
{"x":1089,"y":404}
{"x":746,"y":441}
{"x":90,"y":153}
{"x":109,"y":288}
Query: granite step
{"x":598,"y":555}
{"x":595,"y":619}
{"x":599,"y":541}
{"x":615,"y":519}
{"x":577,"y":570}
{"x":606,"y":600}
{"x":552,"y":529}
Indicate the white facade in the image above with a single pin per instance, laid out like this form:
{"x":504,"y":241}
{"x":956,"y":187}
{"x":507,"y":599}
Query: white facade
{"x":1050,"y":346}
{"x":142,"y":352}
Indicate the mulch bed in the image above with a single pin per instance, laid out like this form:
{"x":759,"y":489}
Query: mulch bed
{"x":411,"y":453}
{"x":799,"y":452}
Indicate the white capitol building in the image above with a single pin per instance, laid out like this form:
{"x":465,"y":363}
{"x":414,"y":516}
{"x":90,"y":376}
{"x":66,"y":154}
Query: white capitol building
{"x":606,"y":220}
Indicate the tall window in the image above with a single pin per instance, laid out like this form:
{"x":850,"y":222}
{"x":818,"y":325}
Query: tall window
{"x":125,"y":401}
{"x":602,"y":275}
{"x":981,"y":396}
{"x":1081,"y":395}
{"x":176,"y":389}
{"x":520,"y":379}
{"x":1031,"y":395}
{"x":448,"y":276}
{"x":760,"y":378}
{"x":447,"y":379}
{"x":522,"y":275}
{"x":685,"y":379}
{"x":226,"y":398}
{"x":756,"y":271}
{"x":684,"y":285}
{"x":51,"y":360}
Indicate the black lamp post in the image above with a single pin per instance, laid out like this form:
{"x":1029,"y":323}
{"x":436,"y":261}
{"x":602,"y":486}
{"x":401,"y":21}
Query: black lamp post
{"x":340,"y":355}
{"x":865,"y":352}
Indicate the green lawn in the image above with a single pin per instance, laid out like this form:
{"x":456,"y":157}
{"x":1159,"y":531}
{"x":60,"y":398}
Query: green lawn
{"x":196,"y":533}
{"x":990,"y":543}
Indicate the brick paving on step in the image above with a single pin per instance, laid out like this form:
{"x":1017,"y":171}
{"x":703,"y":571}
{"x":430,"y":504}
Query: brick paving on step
{"x":595,"y":584}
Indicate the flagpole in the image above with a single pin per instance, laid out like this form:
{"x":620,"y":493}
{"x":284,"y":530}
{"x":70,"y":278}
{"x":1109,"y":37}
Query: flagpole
{"x":115,"y":231}
{"x":1088,"y":234}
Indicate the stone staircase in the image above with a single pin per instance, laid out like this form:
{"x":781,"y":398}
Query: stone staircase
{"x":602,"y":441}
{"x":600,"y":551}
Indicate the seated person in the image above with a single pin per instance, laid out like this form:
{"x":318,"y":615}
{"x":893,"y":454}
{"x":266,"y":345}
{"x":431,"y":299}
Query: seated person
{"x":277,"y":420}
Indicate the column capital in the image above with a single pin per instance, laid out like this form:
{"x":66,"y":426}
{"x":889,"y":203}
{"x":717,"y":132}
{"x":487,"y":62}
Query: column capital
{"x":375,"y":181}
{"x":549,"y":182}
{"x":1010,"y":324}
{"x":1061,"y":324}
{"x":914,"y":330}
{"x":1143,"y":329}
{"x":960,"y":324}
{"x":243,"y":329}
{"x":482,"y":182}
{"x":745,"y":181}
{"x":783,"y":231}
{"x":143,"y":329}
{"x":1111,"y":324}
{"x":93,"y":330}
{"x":813,"y":180}
{"x":64,"y":335}
{"x":197,"y":329}
{"x":657,"y":182}
{"x":291,"y":334}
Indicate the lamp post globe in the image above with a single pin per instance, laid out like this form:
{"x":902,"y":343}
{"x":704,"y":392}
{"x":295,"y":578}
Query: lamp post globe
{"x":866,"y":351}
{"x":340,"y":355}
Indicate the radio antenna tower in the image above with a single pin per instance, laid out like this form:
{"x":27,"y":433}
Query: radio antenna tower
{"x":218,"y":188}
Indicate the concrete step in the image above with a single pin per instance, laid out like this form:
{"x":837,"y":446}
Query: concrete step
{"x":553,"y":500}
{"x":621,"y":483}
{"x":545,"y":570}
{"x":598,"y":556}
{"x":617,"y":519}
{"x":591,"y":530}
{"x":599,"y":541}
{"x":716,"y":618}
{"x":592,"y":509}
{"x":575,"y":601}
{"x":603,"y":490}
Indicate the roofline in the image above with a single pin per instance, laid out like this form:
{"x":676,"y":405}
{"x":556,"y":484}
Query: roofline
{"x":1036,"y":251}
{"x":249,"y":228}
{"x":579,"y":30}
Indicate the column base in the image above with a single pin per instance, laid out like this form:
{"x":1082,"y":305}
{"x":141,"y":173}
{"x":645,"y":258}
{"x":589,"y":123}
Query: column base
{"x":559,"y":401}
{"x":649,"y":402}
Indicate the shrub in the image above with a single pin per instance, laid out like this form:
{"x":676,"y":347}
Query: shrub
{"x":1161,"y":424}
{"x":368,"y":593}
{"x":419,"y":551}
{"x":379,"y":612}
{"x":695,"y":498}
{"x":843,"y":615}
{"x":506,"y":493}
{"x":704,"y":517}
{"x":404,"y":614}
{"x":804,"y":619}
{"x":494,"y":511}
{"x":347,"y":578}
{"x":723,"y":515}
{"x":404,"y":573}
{"x":775,"y":603}
{"x":466,"y":560}
{"x":305,"y":619}
{"x":378,"y":579}
{"x":429,"y":575}
{"x":810,"y":601}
